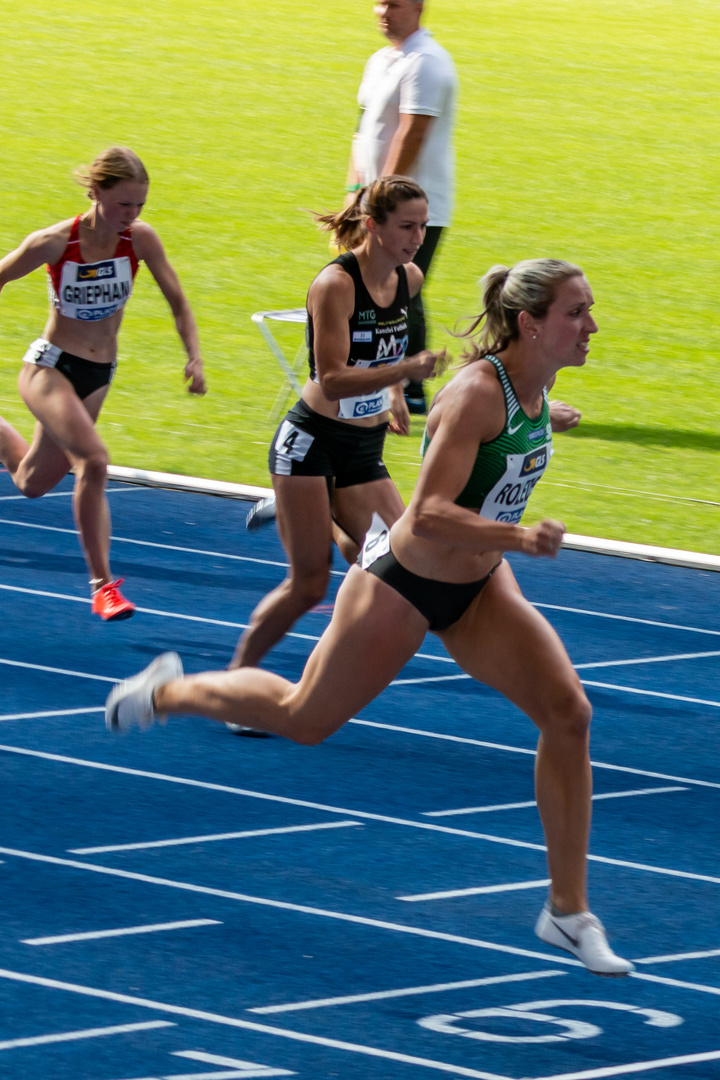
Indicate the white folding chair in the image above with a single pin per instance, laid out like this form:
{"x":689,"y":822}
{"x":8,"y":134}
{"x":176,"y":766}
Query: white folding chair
{"x":290,"y":368}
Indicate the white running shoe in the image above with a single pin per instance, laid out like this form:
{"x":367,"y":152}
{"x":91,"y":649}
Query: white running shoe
{"x":130,"y":703}
{"x":262,"y":513}
{"x":584,"y":936}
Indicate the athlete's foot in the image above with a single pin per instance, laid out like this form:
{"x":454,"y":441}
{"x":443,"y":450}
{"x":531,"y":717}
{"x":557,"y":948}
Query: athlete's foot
{"x":248,"y":732}
{"x":262,"y":513}
{"x":110,"y":604}
{"x":584,"y":936}
{"x":130,"y":703}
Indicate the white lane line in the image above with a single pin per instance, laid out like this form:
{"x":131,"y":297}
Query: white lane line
{"x":308,"y":637}
{"x":142,"y":611}
{"x":284,"y":905}
{"x":58,"y":671}
{"x":583,"y":667}
{"x":150,"y":544}
{"x":48,"y":495}
{"x":410,"y":991}
{"x":652,"y":693}
{"x":626,"y":618}
{"x":92,"y":935}
{"x":364,"y":815}
{"x":636,"y":1067}
{"x":646,"y":660}
{"x":673,"y":957}
{"x":523,"y":750}
{"x":585,"y":682}
{"x":249,"y":1025}
{"x":89,"y":1033}
{"x":638,"y":791}
{"x":231,"y":1063}
{"x":338,"y":573}
{"x":224,"y":1074}
{"x":216,"y":836}
{"x":51,"y":712}
{"x":681,"y":984}
{"x":532,"y":802}
{"x":480,"y":890}
{"x":479,"y":809}
{"x":430,"y":679}
{"x":145,"y":543}
{"x":363,"y":723}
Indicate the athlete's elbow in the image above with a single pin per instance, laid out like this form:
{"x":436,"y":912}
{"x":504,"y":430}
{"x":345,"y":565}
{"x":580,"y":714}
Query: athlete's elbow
{"x":426,"y":525}
{"x":331,"y":390}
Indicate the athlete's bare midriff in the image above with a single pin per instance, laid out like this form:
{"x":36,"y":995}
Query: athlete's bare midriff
{"x":441,"y":562}
{"x":91,"y":341}
{"x":314,"y":398}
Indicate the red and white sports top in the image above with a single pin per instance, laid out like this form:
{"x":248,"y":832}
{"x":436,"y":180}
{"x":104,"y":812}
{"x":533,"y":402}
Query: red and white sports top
{"x":91,"y":291}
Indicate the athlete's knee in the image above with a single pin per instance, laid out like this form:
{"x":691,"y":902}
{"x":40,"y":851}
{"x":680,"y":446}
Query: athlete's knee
{"x":312,"y":730}
{"x":570,"y":714}
{"x":31,"y":488}
{"x":93,"y":467}
{"x":308,"y":722}
{"x":309,"y":589}
{"x":308,"y":734}
{"x":31,"y":483}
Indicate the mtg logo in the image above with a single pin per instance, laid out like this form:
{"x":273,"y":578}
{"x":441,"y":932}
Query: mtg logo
{"x":96,"y":271}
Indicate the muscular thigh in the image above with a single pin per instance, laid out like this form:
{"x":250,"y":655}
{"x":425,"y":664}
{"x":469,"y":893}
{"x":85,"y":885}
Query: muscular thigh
{"x":62,"y":417}
{"x":504,"y":642}
{"x":374,"y":632}
{"x":304,"y":522}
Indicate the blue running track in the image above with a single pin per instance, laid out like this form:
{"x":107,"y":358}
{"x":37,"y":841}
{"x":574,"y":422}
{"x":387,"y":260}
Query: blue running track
{"x":187,"y":903}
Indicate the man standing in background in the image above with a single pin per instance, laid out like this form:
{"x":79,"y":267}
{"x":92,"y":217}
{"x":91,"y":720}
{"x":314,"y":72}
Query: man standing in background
{"x":407,"y":102}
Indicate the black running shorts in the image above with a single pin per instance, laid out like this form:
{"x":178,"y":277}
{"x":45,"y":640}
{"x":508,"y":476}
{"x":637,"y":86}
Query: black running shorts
{"x":308,"y":444}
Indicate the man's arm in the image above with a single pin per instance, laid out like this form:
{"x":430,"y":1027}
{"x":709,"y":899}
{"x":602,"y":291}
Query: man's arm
{"x":406,"y":143}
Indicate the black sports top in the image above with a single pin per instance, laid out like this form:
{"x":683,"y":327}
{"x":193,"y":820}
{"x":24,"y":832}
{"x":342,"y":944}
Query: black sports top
{"x":378,"y":337}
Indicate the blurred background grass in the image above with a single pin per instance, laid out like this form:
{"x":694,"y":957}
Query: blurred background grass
{"x":587,"y":131}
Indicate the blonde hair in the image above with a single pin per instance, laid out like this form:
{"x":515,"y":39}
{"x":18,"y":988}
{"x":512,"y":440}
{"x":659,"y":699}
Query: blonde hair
{"x":375,"y":201}
{"x":110,"y":168}
{"x":530,"y":286}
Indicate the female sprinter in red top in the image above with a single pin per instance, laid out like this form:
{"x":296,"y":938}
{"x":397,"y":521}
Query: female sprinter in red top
{"x":91,"y":261}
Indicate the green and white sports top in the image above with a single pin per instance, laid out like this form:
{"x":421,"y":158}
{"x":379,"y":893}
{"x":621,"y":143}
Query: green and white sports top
{"x":508,"y":467}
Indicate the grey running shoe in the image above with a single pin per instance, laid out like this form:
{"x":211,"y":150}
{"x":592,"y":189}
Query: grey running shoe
{"x":262,"y":513}
{"x":130,"y":703}
{"x":584,"y":936}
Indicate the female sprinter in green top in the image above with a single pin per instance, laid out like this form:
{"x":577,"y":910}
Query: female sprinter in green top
{"x":441,"y":568}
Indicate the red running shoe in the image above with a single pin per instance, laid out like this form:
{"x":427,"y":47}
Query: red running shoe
{"x":109,"y":603}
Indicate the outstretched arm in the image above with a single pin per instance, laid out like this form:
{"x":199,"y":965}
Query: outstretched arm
{"x":44,"y":246}
{"x":149,"y":248}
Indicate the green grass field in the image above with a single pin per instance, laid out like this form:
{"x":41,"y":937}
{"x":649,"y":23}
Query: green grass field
{"x":587,"y":131}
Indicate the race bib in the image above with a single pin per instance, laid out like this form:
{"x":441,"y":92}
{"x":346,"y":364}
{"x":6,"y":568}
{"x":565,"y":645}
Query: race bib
{"x":92,"y":291}
{"x":292,"y":442}
{"x":509,"y":497}
{"x":377,"y":542}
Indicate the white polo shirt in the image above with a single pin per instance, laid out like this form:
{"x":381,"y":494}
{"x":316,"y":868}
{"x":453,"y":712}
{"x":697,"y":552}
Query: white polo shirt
{"x":418,"y":77}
